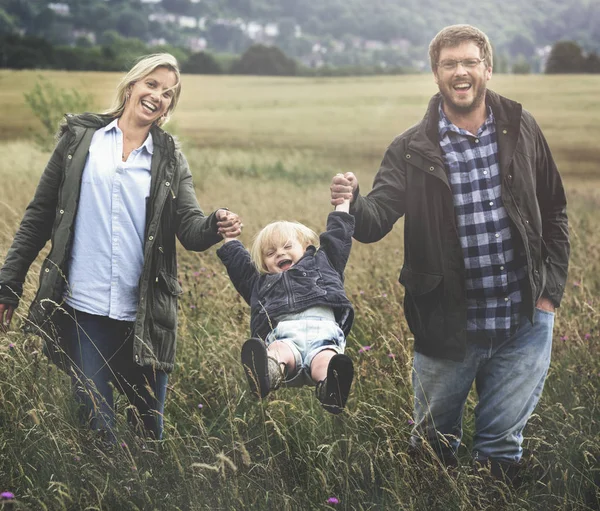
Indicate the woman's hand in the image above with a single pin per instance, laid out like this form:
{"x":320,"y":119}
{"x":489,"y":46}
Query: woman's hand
{"x":6,"y":314}
{"x":229,"y":224}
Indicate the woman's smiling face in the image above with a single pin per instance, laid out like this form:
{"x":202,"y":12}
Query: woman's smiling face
{"x":151,"y":96}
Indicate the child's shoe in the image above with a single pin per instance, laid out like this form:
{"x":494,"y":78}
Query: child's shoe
{"x":333,"y":391}
{"x":263,"y":372}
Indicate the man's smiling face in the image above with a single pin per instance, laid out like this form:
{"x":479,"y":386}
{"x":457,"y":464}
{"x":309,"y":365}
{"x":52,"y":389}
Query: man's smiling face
{"x":462,"y":87}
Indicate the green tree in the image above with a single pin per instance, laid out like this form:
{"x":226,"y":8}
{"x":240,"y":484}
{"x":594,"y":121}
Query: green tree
{"x":265,"y":60}
{"x":592,"y":63}
{"x":565,"y":57}
{"x":521,"y":66}
{"x":7,"y":23}
{"x":201,"y":63}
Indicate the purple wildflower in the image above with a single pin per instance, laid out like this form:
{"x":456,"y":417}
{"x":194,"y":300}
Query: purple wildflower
{"x":577,"y":283}
{"x":76,"y":458}
{"x":384,"y":295}
{"x":6,"y":495}
{"x":192,"y":306}
{"x":361,"y":292}
{"x":587,"y":336}
{"x":364,"y":349}
{"x":11,"y":346}
{"x":333,"y":500}
{"x":411,"y":422}
{"x":200,"y":406}
{"x":392,"y":356}
{"x":123,"y":445}
{"x":564,"y":338}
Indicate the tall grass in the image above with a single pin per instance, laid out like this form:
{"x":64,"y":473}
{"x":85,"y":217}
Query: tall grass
{"x":222,"y":449}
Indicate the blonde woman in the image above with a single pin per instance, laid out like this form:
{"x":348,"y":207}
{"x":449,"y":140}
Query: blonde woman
{"x":113,"y":198}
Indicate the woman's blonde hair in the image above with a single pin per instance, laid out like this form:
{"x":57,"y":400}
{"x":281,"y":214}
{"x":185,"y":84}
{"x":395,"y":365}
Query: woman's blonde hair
{"x":278,"y":234}
{"x":143,"y":67}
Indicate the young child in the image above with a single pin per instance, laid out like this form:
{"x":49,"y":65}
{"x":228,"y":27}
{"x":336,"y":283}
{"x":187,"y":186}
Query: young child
{"x":300,"y":315}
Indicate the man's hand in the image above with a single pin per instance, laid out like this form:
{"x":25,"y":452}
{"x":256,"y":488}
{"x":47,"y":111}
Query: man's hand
{"x":342,"y":188}
{"x":6,"y":314}
{"x":229,"y":224}
{"x":545,"y":304}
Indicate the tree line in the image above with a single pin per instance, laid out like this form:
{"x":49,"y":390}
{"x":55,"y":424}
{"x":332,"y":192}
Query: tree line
{"x":27,"y":52}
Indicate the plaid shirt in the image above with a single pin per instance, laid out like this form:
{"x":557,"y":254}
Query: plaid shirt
{"x":494,"y":272}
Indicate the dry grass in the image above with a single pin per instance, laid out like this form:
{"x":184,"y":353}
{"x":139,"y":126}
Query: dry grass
{"x":266,"y":148}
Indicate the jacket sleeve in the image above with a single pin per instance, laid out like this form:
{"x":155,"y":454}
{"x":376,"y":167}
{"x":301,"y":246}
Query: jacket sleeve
{"x":377,"y":213}
{"x":35,"y":229}
{"x":555,"y":228}
{"x":195,"y":231}
{"x":336,"y":241}
{"x":241,"y":270}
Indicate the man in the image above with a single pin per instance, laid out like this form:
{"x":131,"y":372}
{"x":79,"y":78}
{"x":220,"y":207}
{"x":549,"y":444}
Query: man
{"x":486,"y":252}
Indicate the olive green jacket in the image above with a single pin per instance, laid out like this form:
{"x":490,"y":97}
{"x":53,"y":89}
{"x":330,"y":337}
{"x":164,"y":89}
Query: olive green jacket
{"x":172,"y":210}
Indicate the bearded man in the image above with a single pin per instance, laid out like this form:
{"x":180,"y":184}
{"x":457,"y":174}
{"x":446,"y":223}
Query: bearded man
{"x":486,"y":253}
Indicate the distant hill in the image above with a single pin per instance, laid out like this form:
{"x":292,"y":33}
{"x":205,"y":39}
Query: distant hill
{"x":337,"y":32}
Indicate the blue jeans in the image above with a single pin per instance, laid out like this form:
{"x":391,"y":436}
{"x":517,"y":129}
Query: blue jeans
{"x":509,"y":377}
{"x":102,"y":354}
{"x":307,"y":333}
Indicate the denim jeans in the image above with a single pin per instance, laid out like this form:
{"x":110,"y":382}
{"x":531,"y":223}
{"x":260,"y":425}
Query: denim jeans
{"x":509,"y":377}
{"x":307,"y":333}
{"x":102,"y":353}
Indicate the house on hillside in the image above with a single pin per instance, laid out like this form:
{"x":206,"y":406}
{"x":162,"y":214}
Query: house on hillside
{"x":60,"y":9}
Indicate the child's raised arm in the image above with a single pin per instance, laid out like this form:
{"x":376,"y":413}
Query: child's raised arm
{"x":344,"y":206}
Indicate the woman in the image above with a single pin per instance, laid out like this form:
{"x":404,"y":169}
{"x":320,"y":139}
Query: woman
{"x":113,"y":197}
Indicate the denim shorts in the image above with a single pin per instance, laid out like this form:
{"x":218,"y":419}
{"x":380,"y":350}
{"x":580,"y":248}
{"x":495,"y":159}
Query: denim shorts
{"x":307,"y":333}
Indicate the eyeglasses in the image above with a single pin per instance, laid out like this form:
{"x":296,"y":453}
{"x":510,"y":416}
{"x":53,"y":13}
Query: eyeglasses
{"x":451,"y":65}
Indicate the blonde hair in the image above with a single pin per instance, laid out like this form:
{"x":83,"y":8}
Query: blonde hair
{"x":144,"y":66}
{"x":454,"y":35}
{"x":277,"y":234}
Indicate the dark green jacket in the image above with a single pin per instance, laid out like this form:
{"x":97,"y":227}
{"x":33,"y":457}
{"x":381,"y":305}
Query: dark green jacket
{"x":172,"y":210}
{"x":412,"y":182}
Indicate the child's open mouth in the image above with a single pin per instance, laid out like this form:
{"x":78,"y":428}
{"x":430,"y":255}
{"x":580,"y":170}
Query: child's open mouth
{"x":285,"y":264}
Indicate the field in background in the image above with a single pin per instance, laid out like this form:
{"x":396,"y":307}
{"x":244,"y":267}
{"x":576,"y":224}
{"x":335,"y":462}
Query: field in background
{"x":267,"y":148}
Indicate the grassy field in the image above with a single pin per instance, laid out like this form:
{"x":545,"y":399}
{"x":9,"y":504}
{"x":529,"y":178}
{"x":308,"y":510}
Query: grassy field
{"x":267,"y":148}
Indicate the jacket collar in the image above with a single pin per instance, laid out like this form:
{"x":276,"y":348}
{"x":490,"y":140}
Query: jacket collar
{"x":507,"y":114}
{"x":72,"y":122}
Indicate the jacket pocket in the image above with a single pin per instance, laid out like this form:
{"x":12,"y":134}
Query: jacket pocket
{"x":305,"y":284}
{"x":166,"y":291}
{"x":423,"y":299}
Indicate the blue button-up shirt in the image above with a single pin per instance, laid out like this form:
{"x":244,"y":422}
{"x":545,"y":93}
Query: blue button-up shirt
{"x":107,"y":254}
{"x":494,"y":272}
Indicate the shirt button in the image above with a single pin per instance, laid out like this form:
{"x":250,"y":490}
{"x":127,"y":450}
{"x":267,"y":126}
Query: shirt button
{"x":502,"y":267}
{"x":491,"y":203}
{"x":485,"y":172}
{"x":497,"y":235}
{"x":150,"y":238}
{"x":504,"y":132}
{"x":477,"y":141}
{"x":506,"y":299}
